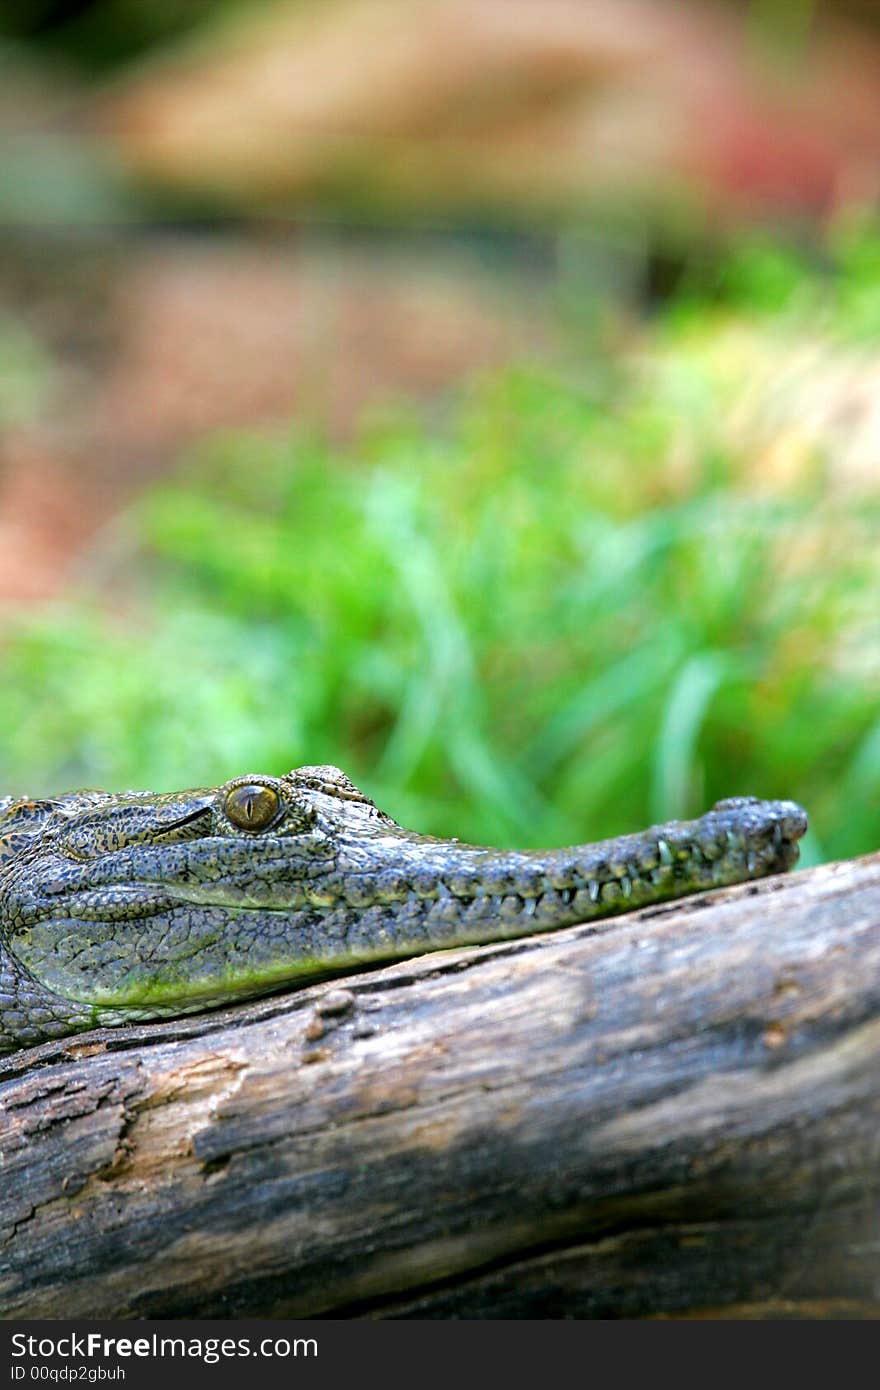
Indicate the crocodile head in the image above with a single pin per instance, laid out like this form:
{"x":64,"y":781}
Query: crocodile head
{"x":150,"y":903}
{"x":116,"y":907}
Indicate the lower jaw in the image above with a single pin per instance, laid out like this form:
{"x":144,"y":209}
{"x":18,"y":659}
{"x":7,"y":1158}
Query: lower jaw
{"x":489,"y":921}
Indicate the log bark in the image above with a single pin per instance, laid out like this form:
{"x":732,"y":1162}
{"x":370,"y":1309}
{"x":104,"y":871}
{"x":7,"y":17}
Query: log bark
{"x":676,"y":1112}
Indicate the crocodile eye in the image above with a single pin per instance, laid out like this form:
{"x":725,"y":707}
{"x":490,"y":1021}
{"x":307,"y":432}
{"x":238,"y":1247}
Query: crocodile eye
{"x":252,"y":806}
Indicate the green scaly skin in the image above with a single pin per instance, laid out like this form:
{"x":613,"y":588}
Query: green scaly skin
{"x":120,"y":908}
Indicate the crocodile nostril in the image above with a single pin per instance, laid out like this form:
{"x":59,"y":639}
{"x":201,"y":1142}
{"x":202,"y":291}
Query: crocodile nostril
{"x":794,"y":821}
{"x":252,"y":806}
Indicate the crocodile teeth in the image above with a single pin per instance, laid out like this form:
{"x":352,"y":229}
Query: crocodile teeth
{"x":316,"y":898}
{"x":595,"y":889}
{"x":530,"y":905}
{"x":666,"y":855}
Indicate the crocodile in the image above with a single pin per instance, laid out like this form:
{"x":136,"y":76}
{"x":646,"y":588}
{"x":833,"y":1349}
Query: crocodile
{"x":117,"y":908}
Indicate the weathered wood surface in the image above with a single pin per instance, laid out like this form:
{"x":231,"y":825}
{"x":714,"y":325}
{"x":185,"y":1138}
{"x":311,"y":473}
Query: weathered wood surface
{"x":677,"y":1113}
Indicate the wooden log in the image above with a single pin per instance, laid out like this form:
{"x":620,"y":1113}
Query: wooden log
{"x":674,"y":1113}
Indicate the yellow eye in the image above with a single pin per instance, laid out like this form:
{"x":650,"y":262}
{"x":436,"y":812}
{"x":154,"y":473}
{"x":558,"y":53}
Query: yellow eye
{"x":252,"y":806}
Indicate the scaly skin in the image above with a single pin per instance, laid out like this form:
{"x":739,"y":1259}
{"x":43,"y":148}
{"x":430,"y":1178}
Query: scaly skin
{"x":119,"y":908}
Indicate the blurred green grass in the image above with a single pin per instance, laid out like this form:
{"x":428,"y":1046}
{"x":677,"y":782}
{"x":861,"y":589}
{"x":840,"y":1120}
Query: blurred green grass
{"x":522,"y":624}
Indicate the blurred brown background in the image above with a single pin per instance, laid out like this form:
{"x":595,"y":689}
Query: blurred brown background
{"x":219,"y":215}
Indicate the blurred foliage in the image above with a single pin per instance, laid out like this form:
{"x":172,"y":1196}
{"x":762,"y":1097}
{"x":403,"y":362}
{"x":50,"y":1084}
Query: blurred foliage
{"x":565,"y":611}
{"x":25,"y":373}
{"x":100,"y":33}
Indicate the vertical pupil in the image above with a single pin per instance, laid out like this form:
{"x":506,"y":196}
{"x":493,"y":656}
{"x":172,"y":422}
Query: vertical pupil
{"x":252,"y":808}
